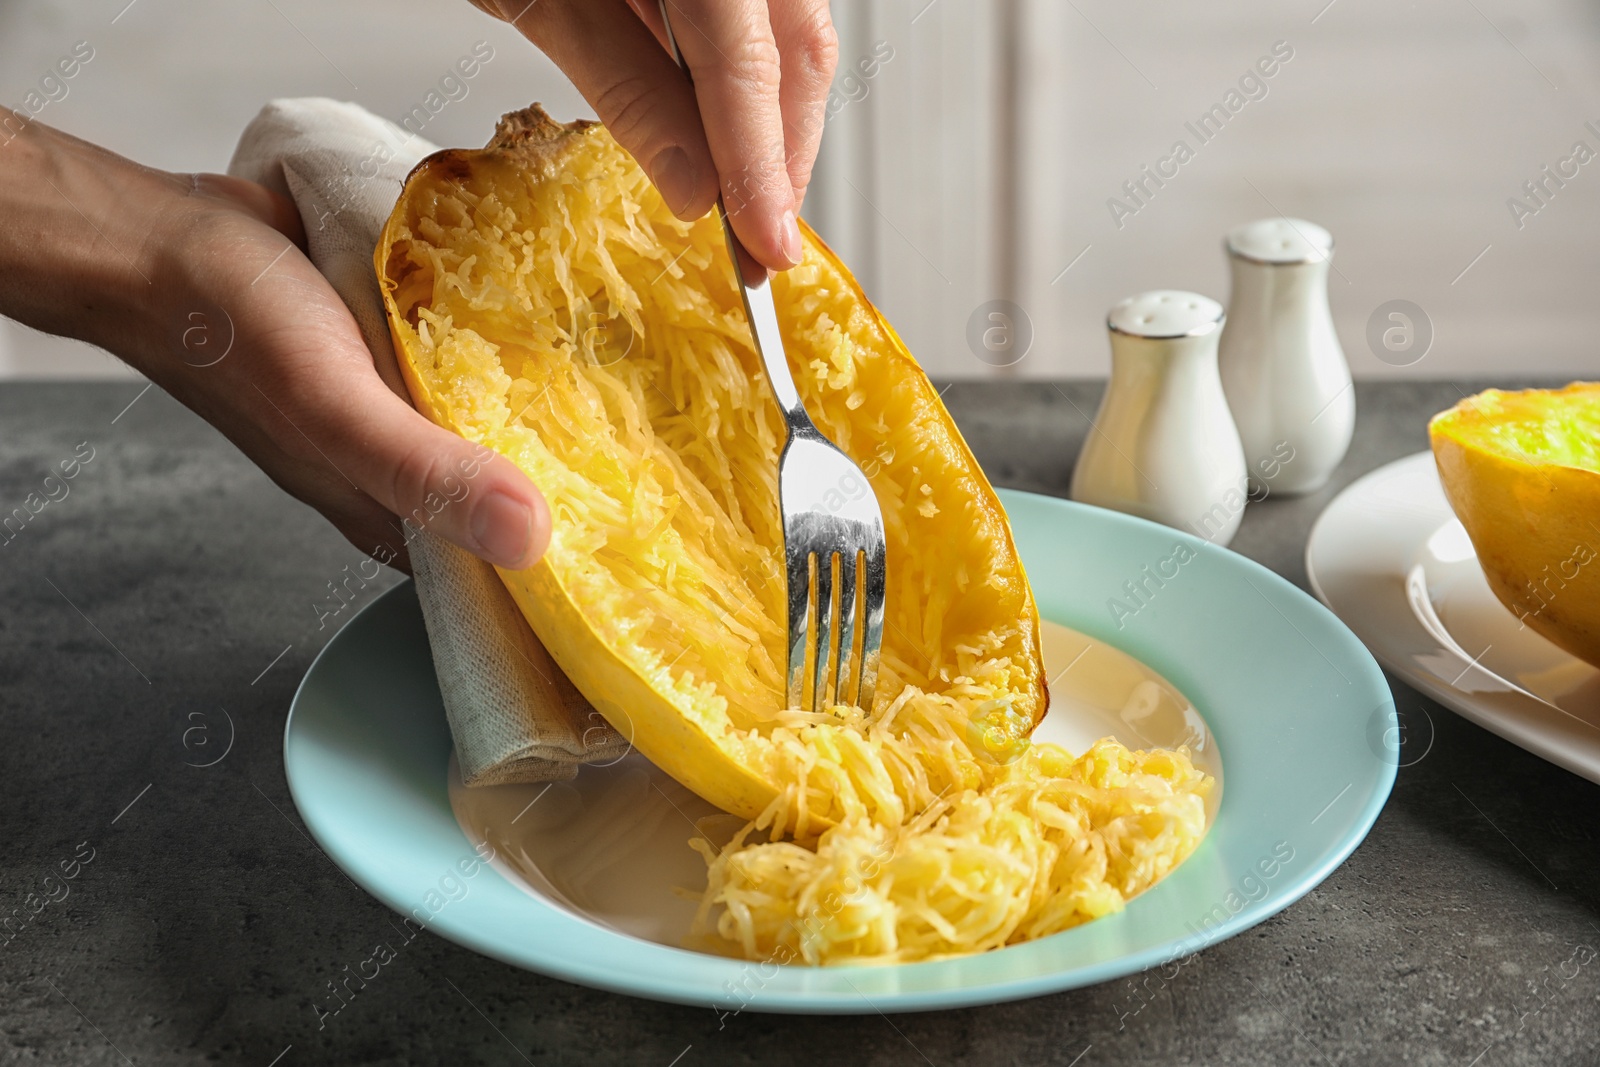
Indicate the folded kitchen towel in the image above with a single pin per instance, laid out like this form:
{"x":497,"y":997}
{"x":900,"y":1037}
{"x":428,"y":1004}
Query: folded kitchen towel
{"x":514,"y":716}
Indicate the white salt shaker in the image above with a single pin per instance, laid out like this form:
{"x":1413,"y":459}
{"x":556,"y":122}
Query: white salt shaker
{"x":1283,"y":370}
{"x":1163,"y":445}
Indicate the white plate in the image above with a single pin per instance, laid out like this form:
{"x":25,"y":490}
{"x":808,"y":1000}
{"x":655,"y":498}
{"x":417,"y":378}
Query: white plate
{"x":1391,"y":559}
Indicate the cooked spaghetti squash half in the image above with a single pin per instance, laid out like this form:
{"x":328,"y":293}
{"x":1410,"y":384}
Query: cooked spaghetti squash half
{"x":545,"y":302}
{"x":1522,"y":472}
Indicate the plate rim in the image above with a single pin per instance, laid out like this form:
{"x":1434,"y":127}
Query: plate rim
{"x":1512,"y":715}
{"x":577,"y":970}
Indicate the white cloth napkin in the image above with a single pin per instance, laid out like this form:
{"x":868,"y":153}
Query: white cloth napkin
{"x":514,"y":716}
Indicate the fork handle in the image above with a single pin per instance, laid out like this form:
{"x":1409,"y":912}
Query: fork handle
{"x":763,"y":316}
{"x":757,"y":293}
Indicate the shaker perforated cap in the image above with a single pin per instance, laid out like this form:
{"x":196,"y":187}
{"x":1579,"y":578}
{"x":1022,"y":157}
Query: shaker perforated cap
{"x":1281,"y":241}
{"x":1165,"y":314}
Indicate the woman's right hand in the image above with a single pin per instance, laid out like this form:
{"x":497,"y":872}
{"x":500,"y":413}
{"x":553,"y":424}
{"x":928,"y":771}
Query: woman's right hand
{"x":749,"y":125}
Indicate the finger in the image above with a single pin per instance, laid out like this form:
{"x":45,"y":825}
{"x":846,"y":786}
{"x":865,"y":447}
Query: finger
{"x":620,"y":67}
{"x":734,"y":59}
{"x":427,"y":476}
{"x":808,"y":48}
{"x":374,"y":531}
{"x":313,"y":481}
{"x":334,"y":407}
{"x":436,"y":480}
{"x":649,"y":12}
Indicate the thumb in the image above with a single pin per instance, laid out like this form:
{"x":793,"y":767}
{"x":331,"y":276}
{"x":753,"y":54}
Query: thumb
{"x":433,"y":479}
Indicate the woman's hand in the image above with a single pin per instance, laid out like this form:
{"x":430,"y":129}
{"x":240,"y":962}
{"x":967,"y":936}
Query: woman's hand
{"x":751,"y":121}
{"x":199,"y":282}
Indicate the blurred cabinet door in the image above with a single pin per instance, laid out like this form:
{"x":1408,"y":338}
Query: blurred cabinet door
{"x":914,"y":183}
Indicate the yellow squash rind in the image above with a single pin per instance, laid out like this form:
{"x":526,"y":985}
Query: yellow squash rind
{"x":1513,"y":467}
{"x":534,"y":144}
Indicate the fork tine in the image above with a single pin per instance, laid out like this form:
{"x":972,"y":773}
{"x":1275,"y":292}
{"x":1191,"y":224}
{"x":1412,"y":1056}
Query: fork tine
{"x":870,"y":646}
{"x":849,"y":564}
{"x":827,"y":618}
{"x":798,"y":581}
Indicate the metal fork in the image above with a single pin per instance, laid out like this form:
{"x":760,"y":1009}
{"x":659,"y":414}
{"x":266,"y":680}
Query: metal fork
{"x":832,"y":527}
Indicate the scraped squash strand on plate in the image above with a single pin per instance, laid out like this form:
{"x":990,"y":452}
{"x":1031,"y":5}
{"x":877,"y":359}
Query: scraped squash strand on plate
{"x":545,"y":302}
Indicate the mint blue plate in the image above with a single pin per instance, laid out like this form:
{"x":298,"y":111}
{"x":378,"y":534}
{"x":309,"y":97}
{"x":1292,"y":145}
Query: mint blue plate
{"x":1300,"y":713}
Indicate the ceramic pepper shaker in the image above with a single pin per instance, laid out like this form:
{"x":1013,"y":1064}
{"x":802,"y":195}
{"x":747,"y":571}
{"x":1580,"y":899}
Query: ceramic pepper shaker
{"x":1163,"y":445}
{"x":1284,"y":373}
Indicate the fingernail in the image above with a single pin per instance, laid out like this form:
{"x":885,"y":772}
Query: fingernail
{"x":674,"y":176}
{"x":790,"y":236}
{"x":502,"y":526}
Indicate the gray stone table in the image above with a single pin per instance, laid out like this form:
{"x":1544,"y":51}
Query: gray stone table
{"x":172,"y":589}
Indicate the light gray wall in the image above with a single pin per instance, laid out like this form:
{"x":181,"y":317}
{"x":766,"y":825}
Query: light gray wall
{"x":173,"y":82}
{"x":977,"y":162}
{"x":1402,"y":127}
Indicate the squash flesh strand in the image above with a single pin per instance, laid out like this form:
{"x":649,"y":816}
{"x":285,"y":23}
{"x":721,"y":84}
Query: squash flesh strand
{"x":569,"y":321}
